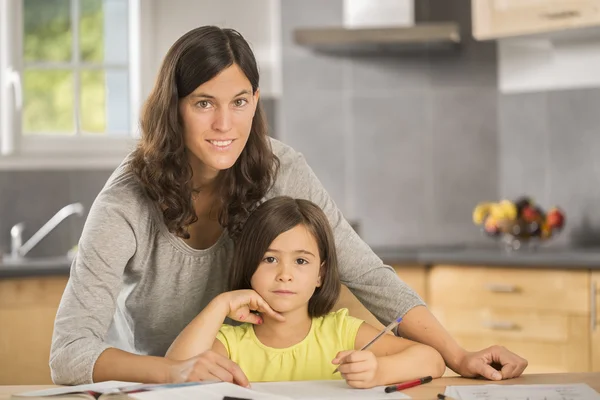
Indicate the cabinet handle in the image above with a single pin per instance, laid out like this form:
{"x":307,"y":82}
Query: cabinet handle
{"x":500,"y":325}
{"x":561,"y":14}
{"x":593,"y":294}
{"x":502,"y":288}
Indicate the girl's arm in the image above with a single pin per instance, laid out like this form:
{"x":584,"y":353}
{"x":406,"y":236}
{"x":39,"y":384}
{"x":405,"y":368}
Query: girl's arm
{"x":199,"y":335}
{"x":389,"y":360}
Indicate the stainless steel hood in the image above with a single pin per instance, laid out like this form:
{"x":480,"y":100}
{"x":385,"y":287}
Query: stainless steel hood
{"x":421,"y":36}
{"x":381,"y":26}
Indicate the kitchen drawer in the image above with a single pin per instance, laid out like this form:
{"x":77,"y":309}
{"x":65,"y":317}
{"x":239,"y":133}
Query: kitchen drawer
{"x":505,"y":18}
{"x":509,"y":324}
{"x":510,"y":288}
{"x":543,"y":357}
{"x":23,"y":292}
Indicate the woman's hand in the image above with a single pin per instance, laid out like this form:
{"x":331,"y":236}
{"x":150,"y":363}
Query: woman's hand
{"x":494,"y":363}
{"x":358,"y":368}
{"x":207,"y":366}
{"x":241,"y":302}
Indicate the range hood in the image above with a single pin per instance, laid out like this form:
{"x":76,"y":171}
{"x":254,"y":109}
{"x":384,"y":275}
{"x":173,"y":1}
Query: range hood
{"x":376,"y":26}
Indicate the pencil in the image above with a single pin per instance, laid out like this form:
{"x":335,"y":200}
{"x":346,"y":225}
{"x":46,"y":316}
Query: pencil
{"x":385,"y":330}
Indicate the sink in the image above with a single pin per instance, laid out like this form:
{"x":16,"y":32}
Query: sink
{"x":36,"y":262}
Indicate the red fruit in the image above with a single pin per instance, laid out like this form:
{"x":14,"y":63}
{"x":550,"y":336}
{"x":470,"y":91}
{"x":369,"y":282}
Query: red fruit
{"x":555,"y":218}
{"x":529,"y":214}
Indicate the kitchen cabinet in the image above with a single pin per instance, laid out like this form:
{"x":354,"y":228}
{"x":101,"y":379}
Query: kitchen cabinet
{"x":494,"y":19}
{"x":595,"y":319}
{"x":541,"y":314}
{"x":27,"y":310}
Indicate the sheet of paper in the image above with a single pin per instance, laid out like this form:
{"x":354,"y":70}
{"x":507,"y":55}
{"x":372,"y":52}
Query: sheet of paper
{"x":215,"y":391}
{"x":576,"y":391}
{"x":101,"y":387}
{"x":333,"y":389}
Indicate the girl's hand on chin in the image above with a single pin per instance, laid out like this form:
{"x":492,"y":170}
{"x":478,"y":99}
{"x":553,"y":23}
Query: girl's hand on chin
{"x":242,"y":302}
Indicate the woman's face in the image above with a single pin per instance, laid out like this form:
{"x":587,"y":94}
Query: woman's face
{"x":217,"y":118}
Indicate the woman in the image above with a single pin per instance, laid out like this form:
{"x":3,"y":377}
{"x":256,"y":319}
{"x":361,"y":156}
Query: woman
{"x":158,"y":240}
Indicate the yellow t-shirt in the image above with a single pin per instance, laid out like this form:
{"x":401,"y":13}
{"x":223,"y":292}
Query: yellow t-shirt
{"x":308,"y":360}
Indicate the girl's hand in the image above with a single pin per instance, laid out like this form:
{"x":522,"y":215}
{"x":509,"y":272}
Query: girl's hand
{"x":241,"y":302}
{"x":358,"y":368}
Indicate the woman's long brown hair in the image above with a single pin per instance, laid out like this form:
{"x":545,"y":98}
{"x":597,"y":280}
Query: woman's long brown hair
{"x":160,"y":161}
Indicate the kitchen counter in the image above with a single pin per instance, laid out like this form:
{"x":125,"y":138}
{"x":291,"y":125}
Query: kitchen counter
{"x":566,"y":257}
{"x":569,"y":258}
{"x":50,"y":266}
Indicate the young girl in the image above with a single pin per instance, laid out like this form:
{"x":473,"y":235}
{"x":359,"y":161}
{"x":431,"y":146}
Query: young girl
{"x":285,"y":270}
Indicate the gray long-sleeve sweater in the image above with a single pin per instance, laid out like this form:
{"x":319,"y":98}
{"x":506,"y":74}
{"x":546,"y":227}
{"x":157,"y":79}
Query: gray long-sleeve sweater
{"x":134,"y":286}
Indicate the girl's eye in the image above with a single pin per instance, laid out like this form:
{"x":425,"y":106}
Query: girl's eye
{"x":302,"y":261}
{"x":240,"y":102}
{"x":269,"y":260}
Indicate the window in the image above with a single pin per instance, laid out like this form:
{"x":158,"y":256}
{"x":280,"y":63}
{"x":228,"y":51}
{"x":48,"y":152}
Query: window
{"x":69,"y":75}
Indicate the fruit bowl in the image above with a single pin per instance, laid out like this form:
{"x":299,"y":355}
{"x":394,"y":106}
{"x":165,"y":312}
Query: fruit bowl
{"x":520,"y":223}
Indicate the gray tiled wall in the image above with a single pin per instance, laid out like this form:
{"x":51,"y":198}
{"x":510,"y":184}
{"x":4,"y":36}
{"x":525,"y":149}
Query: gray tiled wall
{"x":406,"y":145}
{"x":549,"y":147}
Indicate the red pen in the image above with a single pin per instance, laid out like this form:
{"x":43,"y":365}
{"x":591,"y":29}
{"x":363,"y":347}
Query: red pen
{"x":409,"y":384}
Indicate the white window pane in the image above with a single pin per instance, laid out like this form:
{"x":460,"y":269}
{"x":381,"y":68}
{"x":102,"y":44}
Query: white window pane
{"x":47,"y":31}
{"x":91,"y":31}
{"x":116,"y":31}
{"x":117,"y":105}
{"x":103,"y":31}
{"x":93,"y":101}
{"x":48,"y":102}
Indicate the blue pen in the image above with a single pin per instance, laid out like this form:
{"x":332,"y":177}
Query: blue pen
{"x":385,"y":330}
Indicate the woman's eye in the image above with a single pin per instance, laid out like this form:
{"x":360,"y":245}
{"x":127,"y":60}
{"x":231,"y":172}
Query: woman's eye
{"x":301,"y":261}
{"x":203,"y":104}
{"x":269,"y":260}
{"x":240,"y":102}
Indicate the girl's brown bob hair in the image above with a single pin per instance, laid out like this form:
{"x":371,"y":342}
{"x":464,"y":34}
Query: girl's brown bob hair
{"x":160,"y":161}
{"x":269,"y":220}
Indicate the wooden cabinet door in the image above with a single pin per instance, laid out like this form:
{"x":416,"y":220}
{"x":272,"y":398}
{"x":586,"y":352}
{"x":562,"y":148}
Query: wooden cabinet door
{"x":595,"y":320}
{"x":27,"y":310}
{"x":493,"y":19}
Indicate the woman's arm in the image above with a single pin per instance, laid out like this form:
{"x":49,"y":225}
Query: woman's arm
{"x":378,"y":286}
{"x":88,"y":303}
{"x":199,"y":335}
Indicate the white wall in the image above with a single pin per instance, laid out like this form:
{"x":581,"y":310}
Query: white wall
{"x":558,"y":62}
{"x":257,"y":20}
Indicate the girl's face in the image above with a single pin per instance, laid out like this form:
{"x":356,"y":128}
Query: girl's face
{"x":217,"y":118}
{"x":290,"y":271}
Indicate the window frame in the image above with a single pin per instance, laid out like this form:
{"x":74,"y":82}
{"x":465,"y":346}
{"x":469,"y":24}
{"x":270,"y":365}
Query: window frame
{"x":18,"y":151}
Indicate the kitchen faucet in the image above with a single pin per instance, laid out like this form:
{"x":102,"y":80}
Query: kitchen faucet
{"x":19,"y":250}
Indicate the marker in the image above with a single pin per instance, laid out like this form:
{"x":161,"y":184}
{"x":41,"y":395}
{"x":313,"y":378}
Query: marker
{"x":409,"y":384}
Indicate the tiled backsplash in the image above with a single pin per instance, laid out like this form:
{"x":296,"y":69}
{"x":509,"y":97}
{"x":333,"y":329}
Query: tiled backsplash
{"x":405,"y":144}
{"x":549,"y":149}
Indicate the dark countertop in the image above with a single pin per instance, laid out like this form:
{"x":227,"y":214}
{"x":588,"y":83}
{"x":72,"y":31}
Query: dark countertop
{"x":33,"y":267}
{"x":551,"y":257}
{"x":557,"y":257}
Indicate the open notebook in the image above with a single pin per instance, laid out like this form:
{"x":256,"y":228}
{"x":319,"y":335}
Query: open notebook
{"x":298,"y":390}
